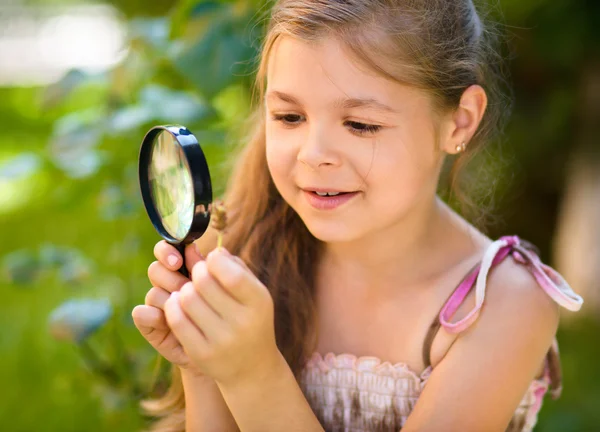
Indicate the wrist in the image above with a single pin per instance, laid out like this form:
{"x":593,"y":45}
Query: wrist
{"x":268,"y":373}
{"x":193,"y":376}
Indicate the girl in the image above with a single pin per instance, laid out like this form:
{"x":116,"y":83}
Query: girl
{"x":349,"y":296}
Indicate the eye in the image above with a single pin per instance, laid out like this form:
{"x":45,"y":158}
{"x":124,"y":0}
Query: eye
{"x":355,"y":127}
{"x":363,"y":129}
{"x":286,"y":119}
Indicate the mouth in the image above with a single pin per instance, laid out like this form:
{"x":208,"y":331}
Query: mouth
{"x":328,"y":200}
{"x":328,"y":194}
{"x":322,"y":192}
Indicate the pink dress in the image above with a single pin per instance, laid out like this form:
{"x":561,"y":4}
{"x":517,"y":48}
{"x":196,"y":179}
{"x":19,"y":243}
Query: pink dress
{"x":360,"y":394}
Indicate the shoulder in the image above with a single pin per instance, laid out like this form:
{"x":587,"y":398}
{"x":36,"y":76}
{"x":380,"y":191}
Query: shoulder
{"x":510,"y":297}
{"x":515,"y":326}
{"x":492,"y":362}
{"x":515,"y":301}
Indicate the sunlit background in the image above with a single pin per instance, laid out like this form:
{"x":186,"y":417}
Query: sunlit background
{"x":80,"y":84}
{"x":39,"y":44}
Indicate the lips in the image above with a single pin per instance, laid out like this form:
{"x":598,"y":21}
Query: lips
{"x":328,"y":202}
{"x":325,"y":190}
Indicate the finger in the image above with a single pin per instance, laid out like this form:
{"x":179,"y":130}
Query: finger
{"x":191,"y":337}
{"x":161,"y":276}
{"x":152,"y":324}
{"x":147,"y":319}
{"x":236,"y":279}
{"x":214,"y":294}
{"x":192,"y":256}
{"x":168,"y":255}
{"x":237,"y":259}
{"x":200,"y":313}
{"x":157,"y":297}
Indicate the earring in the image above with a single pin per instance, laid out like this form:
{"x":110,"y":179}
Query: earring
{"x":461,"y":147}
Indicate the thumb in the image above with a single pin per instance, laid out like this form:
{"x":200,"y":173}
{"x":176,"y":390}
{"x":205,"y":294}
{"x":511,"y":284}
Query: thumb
{"x":192,"y":256}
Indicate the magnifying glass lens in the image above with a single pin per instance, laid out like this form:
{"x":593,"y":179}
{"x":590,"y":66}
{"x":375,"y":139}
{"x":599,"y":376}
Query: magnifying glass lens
{"x":171,"y":185}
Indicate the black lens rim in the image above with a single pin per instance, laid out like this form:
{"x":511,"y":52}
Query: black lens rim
{"x":201,"y":181}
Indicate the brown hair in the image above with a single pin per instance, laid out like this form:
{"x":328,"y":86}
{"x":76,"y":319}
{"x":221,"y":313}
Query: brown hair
{"x":439,"y":46}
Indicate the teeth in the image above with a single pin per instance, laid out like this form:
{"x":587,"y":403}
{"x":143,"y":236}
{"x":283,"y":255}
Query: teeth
{"x":327,"y":193}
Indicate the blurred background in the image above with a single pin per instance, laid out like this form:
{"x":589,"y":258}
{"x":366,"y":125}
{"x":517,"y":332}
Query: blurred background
{"x":80,"y":84}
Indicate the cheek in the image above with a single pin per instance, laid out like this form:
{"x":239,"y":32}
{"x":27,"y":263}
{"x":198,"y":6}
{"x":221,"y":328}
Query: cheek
{"x":403,"y":169}
{"x":280,"y":161}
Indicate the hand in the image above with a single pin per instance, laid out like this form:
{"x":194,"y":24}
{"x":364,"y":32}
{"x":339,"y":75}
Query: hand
{"x":224,"y":320}
{"x":150,"y":318}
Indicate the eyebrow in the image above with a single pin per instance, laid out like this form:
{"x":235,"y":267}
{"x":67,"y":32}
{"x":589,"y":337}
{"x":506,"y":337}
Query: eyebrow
{"x":339,"y":103}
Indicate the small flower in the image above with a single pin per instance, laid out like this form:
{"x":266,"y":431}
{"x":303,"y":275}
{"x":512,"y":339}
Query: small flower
{"x":76,"y":319}
{"x":219,"y":220}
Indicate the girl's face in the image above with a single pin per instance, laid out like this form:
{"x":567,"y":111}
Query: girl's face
{"x":321,"y":134}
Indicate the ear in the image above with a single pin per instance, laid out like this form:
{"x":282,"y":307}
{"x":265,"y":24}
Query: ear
{"x":462,"y":123}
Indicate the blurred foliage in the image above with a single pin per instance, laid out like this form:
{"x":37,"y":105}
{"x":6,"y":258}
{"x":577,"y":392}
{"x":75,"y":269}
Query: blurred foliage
{"x":76,"y":241}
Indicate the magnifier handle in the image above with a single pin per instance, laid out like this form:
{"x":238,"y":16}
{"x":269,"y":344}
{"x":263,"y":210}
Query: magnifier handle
{"x":183,"y":269}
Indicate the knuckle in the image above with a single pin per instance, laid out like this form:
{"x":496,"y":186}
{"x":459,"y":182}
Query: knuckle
{"x":175,"y":321}
{"x":199,"y":271}
{"x":155,"y":296}
{"x":150,"y":296}
{"x":153,"y":267}
{"x":187,"y":294}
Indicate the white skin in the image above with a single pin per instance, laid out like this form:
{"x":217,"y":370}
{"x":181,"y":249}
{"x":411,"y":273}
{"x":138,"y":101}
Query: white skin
{"x":390,"y":257}
{"x":383,"y":234}
{"x":395,"y":252}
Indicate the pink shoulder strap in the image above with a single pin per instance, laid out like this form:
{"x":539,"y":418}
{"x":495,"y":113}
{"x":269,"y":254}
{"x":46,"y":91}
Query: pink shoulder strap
{"x":548,"y":278}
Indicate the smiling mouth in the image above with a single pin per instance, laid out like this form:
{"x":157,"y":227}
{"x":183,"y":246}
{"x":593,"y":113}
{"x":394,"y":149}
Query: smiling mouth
{"x":324,"y":201}
{"x":326,"y":194}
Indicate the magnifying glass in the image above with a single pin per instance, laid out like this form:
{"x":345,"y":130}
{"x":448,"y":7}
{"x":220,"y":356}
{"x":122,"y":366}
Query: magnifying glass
{"x":175,"y":185}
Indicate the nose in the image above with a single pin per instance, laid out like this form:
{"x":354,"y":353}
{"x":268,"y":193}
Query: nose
{"x":317,"y":151}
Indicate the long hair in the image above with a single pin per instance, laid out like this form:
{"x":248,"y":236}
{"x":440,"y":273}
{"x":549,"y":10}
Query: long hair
{"x":439,"y":46}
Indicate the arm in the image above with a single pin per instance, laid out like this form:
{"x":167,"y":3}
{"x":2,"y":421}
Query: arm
{"x":225,"y":321}
{"x":483,"y":377}
{"x":272,"y":401}
{"x":205,"y":409}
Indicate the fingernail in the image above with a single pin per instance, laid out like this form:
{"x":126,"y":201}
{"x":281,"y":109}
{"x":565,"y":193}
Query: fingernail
{"x":172,"y":260}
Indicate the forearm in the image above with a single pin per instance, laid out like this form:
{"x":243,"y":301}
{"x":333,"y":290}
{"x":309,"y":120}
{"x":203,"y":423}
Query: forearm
{"x":205,"y":408}
{"x":273,"y":402}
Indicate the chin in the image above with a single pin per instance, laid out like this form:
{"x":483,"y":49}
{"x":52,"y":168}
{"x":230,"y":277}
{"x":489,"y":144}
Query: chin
{"x":330,"y":231}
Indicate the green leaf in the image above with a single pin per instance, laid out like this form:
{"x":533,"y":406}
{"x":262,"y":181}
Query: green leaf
{"x":21,"y":267}
{"x":129,"y":118}
{"x":186,"y":12}
{"x":73,"y":145}
{"x":115,"y":204}
{"x":217,"y":59}
{"x":162,"y":105}
{"x":205,"y":7}
{"x":171,"y":105}
{"x":150,"y":32}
